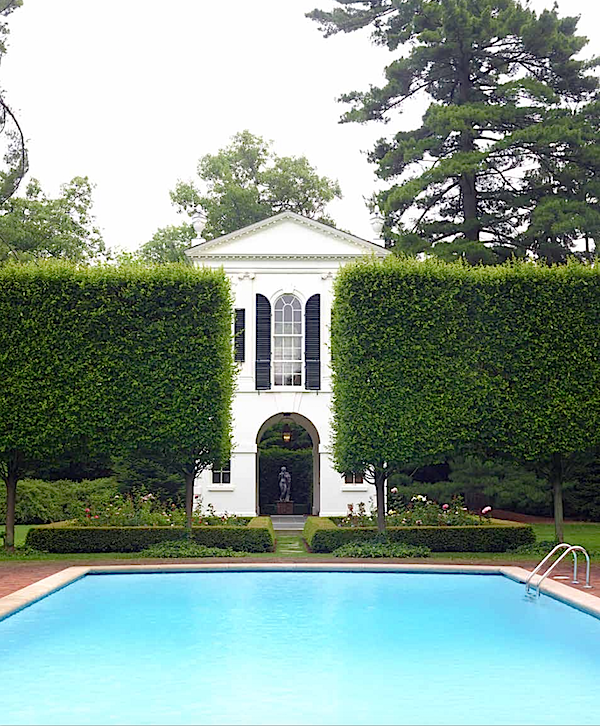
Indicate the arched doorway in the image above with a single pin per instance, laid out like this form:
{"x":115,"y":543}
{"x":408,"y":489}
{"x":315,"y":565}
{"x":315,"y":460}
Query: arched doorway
{"x":273,"y":452}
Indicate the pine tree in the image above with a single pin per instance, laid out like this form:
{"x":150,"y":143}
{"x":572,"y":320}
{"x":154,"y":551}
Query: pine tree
{"x":506,"y":160}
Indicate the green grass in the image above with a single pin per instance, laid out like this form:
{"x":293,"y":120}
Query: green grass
{"x":586,"y":534}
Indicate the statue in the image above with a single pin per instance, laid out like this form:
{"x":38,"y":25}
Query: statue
{"x":285,"y":485}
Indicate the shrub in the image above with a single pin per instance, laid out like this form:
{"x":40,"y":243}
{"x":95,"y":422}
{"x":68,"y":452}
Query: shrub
{"x":186,"y":548}
{"x":257,"y":536}
{"x":41,"y":502}
{"x":380,"y":549}
{"x":322,"y":535}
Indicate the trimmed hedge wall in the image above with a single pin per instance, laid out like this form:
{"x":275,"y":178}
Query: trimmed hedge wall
{"x":258,"y":536}
{"x":323,"y":535}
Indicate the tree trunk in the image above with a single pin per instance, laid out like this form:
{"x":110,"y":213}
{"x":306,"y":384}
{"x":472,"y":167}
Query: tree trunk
{"x":468,"y":181}
{"x":380,"y":492}
{"x":11,"y":498}
{"x":190,"y":477}
{"x":556,"y":479}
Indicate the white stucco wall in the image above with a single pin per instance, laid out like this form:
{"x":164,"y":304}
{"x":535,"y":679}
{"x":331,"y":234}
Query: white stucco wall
{"x":286,"y":254}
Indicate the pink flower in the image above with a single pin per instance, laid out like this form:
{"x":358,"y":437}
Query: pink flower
{"x":394,"y":490}
{"x":96,"y":516}
{"x":87,"y":509}
{"x":485,"y":510}
{"x":445,"y":507}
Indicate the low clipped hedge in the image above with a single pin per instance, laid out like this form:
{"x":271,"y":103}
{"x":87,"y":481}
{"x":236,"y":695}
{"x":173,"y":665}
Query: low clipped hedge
{"x":257,"y":536}
{"x":322,"y":535}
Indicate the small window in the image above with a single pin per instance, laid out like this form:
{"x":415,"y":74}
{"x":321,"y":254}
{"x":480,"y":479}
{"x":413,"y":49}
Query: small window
{"x":222,"y":475}
{"x":353,"y":478}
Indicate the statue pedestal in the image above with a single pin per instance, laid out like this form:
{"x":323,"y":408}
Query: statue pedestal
{"x":285,"y":507}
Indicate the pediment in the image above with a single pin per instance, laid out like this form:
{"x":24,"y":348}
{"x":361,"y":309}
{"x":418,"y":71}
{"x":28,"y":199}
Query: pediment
{"x":285,"y":235}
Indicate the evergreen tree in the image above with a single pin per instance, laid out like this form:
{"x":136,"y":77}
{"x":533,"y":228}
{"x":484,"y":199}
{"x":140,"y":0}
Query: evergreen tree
{"x":506,"y":160}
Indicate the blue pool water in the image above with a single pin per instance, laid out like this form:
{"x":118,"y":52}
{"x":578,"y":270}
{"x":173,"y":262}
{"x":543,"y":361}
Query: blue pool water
{"x":298,"y":648}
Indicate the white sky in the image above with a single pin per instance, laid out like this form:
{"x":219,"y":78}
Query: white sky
{"x":133,"y":93}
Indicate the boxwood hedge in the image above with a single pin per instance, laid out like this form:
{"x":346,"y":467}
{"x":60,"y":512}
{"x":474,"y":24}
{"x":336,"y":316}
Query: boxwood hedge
{"x":258,"y":536}
{"x":322,"y":535}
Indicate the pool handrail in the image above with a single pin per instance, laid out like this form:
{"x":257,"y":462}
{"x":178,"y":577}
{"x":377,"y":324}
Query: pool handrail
{"x":542,"y":563}
{"x":570,"y":549}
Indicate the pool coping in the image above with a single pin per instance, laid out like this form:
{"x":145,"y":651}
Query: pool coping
{"x":20,"y":599}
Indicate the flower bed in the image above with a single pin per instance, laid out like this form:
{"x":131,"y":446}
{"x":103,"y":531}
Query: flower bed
{"x":419,"y":512}
{"x":139,"y":509}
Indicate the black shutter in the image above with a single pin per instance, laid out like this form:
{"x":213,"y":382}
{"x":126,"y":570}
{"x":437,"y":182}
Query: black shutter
{"x":239,"y":332}
{"x":312,"y":343}
{"x":263,"y":343}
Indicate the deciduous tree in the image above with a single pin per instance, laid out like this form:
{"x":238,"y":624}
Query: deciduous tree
{"x":247,"y":182}
{"x":37,"y":227}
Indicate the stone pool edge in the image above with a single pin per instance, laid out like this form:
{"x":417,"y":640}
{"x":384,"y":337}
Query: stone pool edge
{"x":20,"y":599}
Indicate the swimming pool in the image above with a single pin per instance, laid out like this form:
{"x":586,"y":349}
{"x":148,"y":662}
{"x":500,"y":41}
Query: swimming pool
{"x":298,"y":647}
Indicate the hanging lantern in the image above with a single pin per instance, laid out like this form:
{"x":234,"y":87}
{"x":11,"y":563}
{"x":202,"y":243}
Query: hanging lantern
{"x":286,"y":434}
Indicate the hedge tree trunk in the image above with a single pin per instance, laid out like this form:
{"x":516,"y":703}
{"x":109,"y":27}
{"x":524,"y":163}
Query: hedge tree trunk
{"x":557,"y":470}
{"x":190,"y":477}
{"x":380,"y":491}
{"x":11,"y":499}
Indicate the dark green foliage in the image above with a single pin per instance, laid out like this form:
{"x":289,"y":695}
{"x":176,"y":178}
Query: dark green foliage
{"x":507,"y":157}
{"x":582,"y":500}
{"x":152,"y":473}
{"x":256,"y":537}
{"x":505,"y":484}
{"x":430,"y":359}
{"x":114,"y":360}
{"x":299,"y":463}
{"x":380,"y":549}
{"x":324,"y":537}
{"x":186,"y":548}
{"x":246,"y":183}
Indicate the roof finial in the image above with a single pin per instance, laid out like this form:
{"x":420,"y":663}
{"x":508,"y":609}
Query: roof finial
{"x":377,"y":222}
{"x":199,"y":218}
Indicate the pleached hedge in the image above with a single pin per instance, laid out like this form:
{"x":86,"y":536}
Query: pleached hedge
{"x":257,"y":536}
{"x":431,"y":358}
{"x":323,"y":535}
{"x":113,"y":360}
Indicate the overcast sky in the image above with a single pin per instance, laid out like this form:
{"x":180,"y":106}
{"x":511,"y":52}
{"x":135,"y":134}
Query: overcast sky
{"x":133,"y":93}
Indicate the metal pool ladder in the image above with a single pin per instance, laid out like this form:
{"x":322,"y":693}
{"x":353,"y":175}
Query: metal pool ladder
{"x":568,"y":549}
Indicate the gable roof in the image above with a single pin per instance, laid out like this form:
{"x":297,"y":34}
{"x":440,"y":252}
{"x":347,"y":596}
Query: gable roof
{"x":344,"y":244}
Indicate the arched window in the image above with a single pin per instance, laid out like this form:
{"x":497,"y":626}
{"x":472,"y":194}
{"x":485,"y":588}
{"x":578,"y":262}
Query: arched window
{"x":287,"y":342}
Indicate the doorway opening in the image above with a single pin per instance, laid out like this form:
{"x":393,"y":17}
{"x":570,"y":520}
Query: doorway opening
{"x":290,"y":441}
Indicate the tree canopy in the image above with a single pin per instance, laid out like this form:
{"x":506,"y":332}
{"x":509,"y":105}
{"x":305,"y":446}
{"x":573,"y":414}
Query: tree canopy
{"x":247,"y":182}
{"x":37,"y":227}
{"x":506,"y":161}
{"x":167,"y":245}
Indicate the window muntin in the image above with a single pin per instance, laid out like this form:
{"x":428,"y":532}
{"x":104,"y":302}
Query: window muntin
{"x":287,"y":342}
{"x":353,"y":478}
{"x":222,"y":475}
